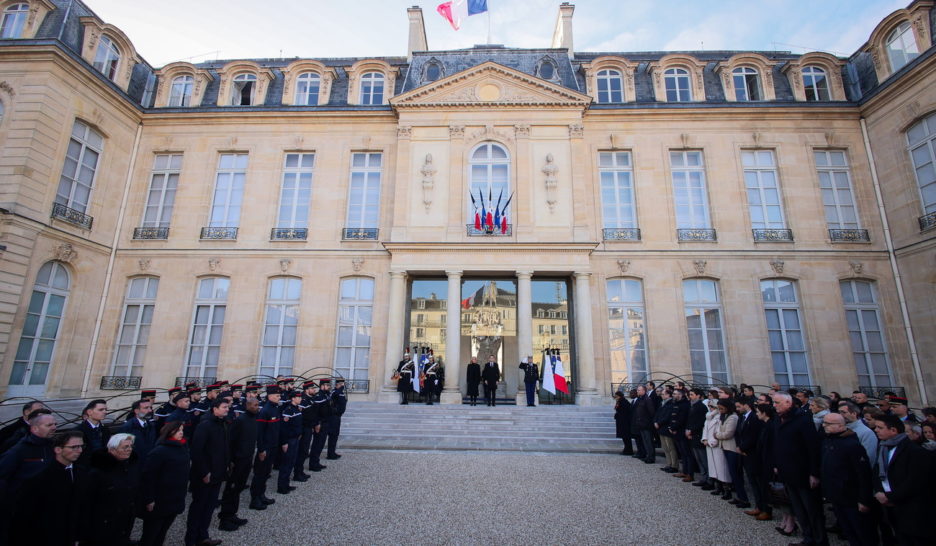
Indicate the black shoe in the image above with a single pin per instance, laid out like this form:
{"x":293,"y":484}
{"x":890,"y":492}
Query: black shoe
{"x":699,"y":484}
{"x":239,"y":521}
{"x":650,"y":461}
{"x":707,"y":487}
{"x":267,"y":500}
{"x":718,"y":491}
{"x":333,"y":457}
{"x":317,"y":468}
{"x":257,"y":503}
{"x":227,"y":525}
{"x":734,"y":502}
{"x":743,"y":504}
{"x":285,"y":490}
{"x":301,"y":478}
{"x":726,"y":495}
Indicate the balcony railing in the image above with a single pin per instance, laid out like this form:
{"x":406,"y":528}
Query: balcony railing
{"x":223,"y":233}
{"x":121,"y":382}
{"x":621,"y":234}
{"x":927,"y":221}
{"x":849,"y":235}
{"x":359,"y":234}
{"x":199,"y":381}
{"x":879,"y":392}
{"x":696,"y":234}
{"x":289,"y":234}
{"x":773,"y":235}
{"x":486,"y":231}
{"x":72,"y":216}
{"x":151,"y":233}
{"x":357,"y":385}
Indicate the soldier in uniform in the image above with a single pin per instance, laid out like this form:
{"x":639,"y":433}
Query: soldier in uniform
{"x":148,"y":394}
{"x":243,"y":447}
{"x":325,"y":411}
{"x":268,"y":422}
{"x":405,"y":369}
{"x":237,"y":399}
{"x":211,"y":457}
{"x":182,"y":402}
{"x":195,"y":408}
{"x":251,"y":392}
{"x":490,"y":375}
{"x":340,"y":404}
{"x":163,"y":412}
{"x":530,"y":377}
{"x":310,"y":425}
{"x":432,"y":382}
{"x":290,"y":432}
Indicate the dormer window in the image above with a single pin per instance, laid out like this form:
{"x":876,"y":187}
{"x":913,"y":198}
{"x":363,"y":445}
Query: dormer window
{"x":308,"y":86}
{"x":242,"y":92}
{"x":372,"y":88}
{"x":610,"y":87}
{"x":815,"y":84}
{"x":14,"y":21}
{"x":746,"y":84}
{"x":547,"y":70}
{"x":901,"y":46}
{"x":107,"y":58}
{"x":677,"y":85}
{"x":432,"y":72}
{"x":181,"y":92}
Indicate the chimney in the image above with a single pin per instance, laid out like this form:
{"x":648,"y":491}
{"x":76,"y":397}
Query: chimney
{"x":417,"y":31}
{"x":562,"y":36}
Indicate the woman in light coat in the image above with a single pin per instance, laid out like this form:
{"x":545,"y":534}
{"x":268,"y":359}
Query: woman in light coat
{"x":718,"y":468}
{"x":728,"y":424}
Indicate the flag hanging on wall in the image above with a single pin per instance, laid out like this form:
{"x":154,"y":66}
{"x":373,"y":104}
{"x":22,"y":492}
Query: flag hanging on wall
{"x":455,"y":11}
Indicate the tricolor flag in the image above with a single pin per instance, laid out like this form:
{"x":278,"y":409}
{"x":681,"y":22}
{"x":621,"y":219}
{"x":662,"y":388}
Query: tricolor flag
{"x":559,"y":373}
{"x":549,"y":381}
{"x":455,"y":11}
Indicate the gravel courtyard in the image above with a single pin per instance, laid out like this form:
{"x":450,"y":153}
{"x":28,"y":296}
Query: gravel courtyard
{"x":394,"y":497}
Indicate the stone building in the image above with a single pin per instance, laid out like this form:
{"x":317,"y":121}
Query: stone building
{"x":722,"y":216}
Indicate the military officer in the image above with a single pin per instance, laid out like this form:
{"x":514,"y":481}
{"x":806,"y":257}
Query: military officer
{"x":183,"y":402}
{"x":268,"y":422}
{"x":340,"y":404}
{"x":310,"y":425}
{"x":405,"y":369}
{"x":163,"y":412}
{"x":432,"y":382}
{"x":325,"y":412}
{"x":530,"y":377}
{"x":290,"y":432}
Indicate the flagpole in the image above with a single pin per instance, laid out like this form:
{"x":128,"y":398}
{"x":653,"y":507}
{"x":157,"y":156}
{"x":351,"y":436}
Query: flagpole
{"x":489,"y":26}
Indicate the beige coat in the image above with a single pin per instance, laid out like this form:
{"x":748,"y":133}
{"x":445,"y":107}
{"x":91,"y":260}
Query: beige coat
{"x":717,"y":466}
{"x":726,"y":432}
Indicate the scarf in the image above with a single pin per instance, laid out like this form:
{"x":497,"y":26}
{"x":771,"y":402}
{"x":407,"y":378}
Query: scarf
{"x":884,"y":447}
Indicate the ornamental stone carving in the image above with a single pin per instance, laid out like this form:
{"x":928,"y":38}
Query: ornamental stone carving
{"x":428,"y":172}
{"x":65,"y":252}
{"x":357,"y":264}
{"x":522,"y":131}
{"x":699,"y":266}
{"x":456,"y":131}
{"x":214,"y":263}
{"x":284,"y":264}
{"x":576,"y":130}
{"x":144,"y":264}
{"x":623,"y":265}
{"x":857,"y":268}
{"x":404,"y":132}
{"x":552,"y":182}
{"x":4,"y":86}
{"x":777,"y":266}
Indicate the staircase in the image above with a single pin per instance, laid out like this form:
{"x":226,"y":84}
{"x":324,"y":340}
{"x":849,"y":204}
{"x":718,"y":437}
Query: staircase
{"x":559,"y":429}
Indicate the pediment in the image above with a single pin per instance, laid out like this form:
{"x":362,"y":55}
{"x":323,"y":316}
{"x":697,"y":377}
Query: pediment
{"x":490,"y":85}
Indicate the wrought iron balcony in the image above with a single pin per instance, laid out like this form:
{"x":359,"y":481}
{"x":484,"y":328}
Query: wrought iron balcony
{"x":359,"y":234}
{"x":289,"y":234}
{"x":879,"y":392}
{"x":773,"y":235}
{"x":927,"y":221}
{"x":151,"y":233}
{"x":223,"y":233}
{"x":199,"y":381}
{"x":72,"y":216}
{"x":357,"y":385}
{"x":696,"y":234}
{"x":488,"y":231}
{"x":849,"y":235}
{"x":121,"y":382}
{"x":621,"y":234}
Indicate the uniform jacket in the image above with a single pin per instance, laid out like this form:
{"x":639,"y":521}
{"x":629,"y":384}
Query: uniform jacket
{"x":326,"y":406}
{"x":95,"y":439}
{"x":145,"y":437}
{"x":310,"y":411}
{"x":268,"y":421}
{"x":165,"y":478}
{"x":13,"y":433}
{"x":846,"y":470}
{"x":25,"y":460}
{"x":340,"y":398}
{"x":796,"y":448}
{"x":243,"y":435}
{"x":211,"y":449}
{"x":530,"y":372}
{"x":490,"y":372}
{"x":290,"y":423}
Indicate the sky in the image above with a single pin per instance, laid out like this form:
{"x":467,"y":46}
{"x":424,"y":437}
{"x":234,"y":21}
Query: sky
{"x":201,"y":30}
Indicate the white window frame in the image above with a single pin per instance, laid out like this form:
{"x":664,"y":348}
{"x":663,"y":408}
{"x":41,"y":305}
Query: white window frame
{"x":816,"y":84}
{"x":180,"y":92}
{"x":493,"y":177}
{"x":616,"y":174}
{"x":280,"y":327}
{"x":90,"y":145}
{"x":238,"y":83}
{"x":197,"y":351}
{"x":355,"y":315}
{"x":107,"y":57}
{"x":296,"y":191}
{"x":760,"y":166}
{"x":695,"y":203}
{"x":228,"y":192}
{"x":364,"y":190}
{"x":373,"y":86}
{"x":781,"y":338}
{"x":682,"y":84}
{"x":160,"y":196}
{"x":14,"y":21}
{"x":922,"y":150}
{"x":40,"y":334}
{"x":747,"y":84}
{"x":606,"y":93}
{"x":831,"y":175}
{"x":860,"y":334}
{"x":699,"y":307}
{"x":308,"y":87}
{"x":901,"y":46}
{"x":133,"y":335}
{"x":625,"y":349}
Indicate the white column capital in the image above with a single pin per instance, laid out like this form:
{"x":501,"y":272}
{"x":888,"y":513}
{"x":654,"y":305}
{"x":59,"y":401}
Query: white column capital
{"x":453,"y":272}
{"x":397,"y":273}
{"x":524,"y":274}
{"x":579,"y":275}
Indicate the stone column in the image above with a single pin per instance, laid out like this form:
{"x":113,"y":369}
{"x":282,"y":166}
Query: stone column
{"x":451,"y":392}
{"x":524,"y":324}
{"x":395,"y":322}
{"x":586,"y":394}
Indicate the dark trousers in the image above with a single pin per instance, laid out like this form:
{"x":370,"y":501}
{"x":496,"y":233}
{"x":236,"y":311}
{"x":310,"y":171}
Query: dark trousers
{"x":287,"y":462}
{"x":733,"y":458}
{"x":237,"y":482}
{"x":204,"y":502}
{"x":701,"y":459}
{"x":807,"y":508}
{"x":155,"y":528}
{"x":262,"y":470}
{"x":758,"y":484}
{"x":858,"y":528}
{"x":490,"y":392}
{"x":333,"y":432}
{"x":318,"y":443}
{"x":305,"y":443}
{"x":530,"y":392}
{"x":685,"y":454}
{"x":646,"y":437}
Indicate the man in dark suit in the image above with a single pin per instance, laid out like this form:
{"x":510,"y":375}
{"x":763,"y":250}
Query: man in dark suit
{"x":95,"y":433}
{"x":846,"y":481}
{"x":694,"y":430}
{"x":243,"y":446}
{"x":25,"y":460}
{"x":211,"y":454}
{"x":904,"y":482}
{"x":142,"y":428}
{"x":490,"y":375}
{"x":643,"y":411}
{"x":746,"y":438}
{"x":16,"y":430}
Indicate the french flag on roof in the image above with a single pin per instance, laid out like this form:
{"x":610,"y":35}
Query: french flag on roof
{"x":455,"y":11}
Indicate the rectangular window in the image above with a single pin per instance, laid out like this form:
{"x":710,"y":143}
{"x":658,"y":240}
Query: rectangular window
{"x":296,"y":192}
{"x":133,"y":336}
{"x":763,"y":189}
{"x":838,"y":198}
{"x":785,"y":332}
{"x":278,"y":346}
{"x":707,"y":353}
{"x":921,"y":139}
{"x":627,"y":330}
{"x":364,"y":190}
{"x":204,"y":348}
{"x":688,"y":172}
{"x":355,"y":309}
{"x":866,"y":333}
{"x":618,"y":204}
{"x":81,"y":162}
{"x":229,"y":190}
{"x":164,"y":181}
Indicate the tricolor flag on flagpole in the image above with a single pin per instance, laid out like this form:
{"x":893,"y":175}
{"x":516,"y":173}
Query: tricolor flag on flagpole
{"x":559,"y":374}
{"x":549,"y":382}
{"x":455,"y":11}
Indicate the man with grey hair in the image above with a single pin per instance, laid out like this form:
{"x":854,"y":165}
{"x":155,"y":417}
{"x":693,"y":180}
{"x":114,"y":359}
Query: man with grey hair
{"x":24,"y":461}
{"x":852,"y":415}
{"x":846,"y":480}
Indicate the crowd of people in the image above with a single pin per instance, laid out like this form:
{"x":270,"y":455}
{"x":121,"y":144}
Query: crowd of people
{"x":872,"y":466}
{"x":88,"y":484}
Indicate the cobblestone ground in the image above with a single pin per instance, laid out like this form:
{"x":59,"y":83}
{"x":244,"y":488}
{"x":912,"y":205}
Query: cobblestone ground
{"x":393,"y":497}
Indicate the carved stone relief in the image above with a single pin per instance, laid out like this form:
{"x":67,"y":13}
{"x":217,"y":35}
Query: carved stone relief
{"x":552,"y":182}
{"x":428,"y":172}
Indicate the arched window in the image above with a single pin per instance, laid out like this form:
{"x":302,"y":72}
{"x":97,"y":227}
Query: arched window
{"x":627,"y":330}
{"x":181,"y":92}
{"x":432,"y":72}
{"x":135,"y":323}
{"x":785,"y":332}
{"x":307,"y":89}
{"x":372,"y":88}
{"x":707,"y":354}
{"x":42,"y":326}
{"x":278,"y":346}
{"x":204,"y":348}
{"x":866,"y":332}
{"x":107,"y":58}
{"x":676,"y":81}
{"x":490,"y":183}
{"x":747,"y":86}
{"x":355,"y":309}
{"x":816,"y":84}
{"x":901,"y":46}
{"x":242,"y":89}
{"x":610,"y":87}
{"x":14,"y":21}
{"x":921,"y":139}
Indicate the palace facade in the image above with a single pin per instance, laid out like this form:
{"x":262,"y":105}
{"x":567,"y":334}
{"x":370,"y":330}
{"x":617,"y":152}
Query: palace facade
{"x":721,"y":216}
